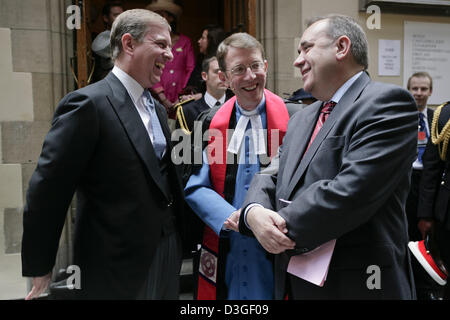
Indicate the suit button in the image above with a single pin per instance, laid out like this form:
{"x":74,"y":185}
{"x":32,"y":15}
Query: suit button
{"x":442,"y":183}
{"x":169,"y":204}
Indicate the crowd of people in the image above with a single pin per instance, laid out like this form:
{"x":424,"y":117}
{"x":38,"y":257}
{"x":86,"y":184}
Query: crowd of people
{"x":286,"y":201}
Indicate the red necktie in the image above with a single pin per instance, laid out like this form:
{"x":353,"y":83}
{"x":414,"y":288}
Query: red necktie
{"x":324,"y":113}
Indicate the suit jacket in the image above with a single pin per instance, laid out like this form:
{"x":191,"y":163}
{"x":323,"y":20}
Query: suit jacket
{"x":293,"y":107}
{"x":351,"y":185}
{"x":99,"y":147}
{"x":192,"y":110}
{"x":414,"y":194}
{"x":430,"y":114}
{"x":434,"y":193}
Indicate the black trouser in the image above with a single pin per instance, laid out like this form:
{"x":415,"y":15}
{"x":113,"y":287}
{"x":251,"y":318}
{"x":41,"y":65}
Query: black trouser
{"x":411,"y":206}
{"x":442,"y":237}
{"x":163,"y":281}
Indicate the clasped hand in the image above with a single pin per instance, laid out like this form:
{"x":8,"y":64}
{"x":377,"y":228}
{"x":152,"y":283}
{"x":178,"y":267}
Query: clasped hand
{"x":269,"y":229}
{"x":232,"y":223}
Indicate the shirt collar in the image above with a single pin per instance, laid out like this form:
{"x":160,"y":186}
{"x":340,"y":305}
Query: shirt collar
{"x":133,"y":88}
{"x":260,"y":106}
{"x":343,"y":89}
{"x":211,"y":101}
{"x":424,"y":112}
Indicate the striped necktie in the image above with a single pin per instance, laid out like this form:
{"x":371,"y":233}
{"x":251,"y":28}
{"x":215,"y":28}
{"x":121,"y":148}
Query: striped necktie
{"x":324,"y":113}
{"x":159,"y":140}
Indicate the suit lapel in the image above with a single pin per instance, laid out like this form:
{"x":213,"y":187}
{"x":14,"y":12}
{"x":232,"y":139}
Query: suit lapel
{"x":302,"y":129}
{"x":430,"y":114}
{"x":346,"y":101}
{"x":162,"y":116}
{"x":164,"y":125}
{"x":197,"y":107}
{"x":132,"y":123}
{"x":202,"y":106}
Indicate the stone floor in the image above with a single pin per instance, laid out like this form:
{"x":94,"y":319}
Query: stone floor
{"x":16,"y":288}
{"x":12,"y":284}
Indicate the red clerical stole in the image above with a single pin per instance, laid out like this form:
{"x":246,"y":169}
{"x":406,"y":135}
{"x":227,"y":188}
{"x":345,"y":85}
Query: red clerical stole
{"x":277,"y":119}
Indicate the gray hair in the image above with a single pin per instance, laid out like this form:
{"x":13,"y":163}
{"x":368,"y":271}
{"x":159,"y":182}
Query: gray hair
{"x":137,"y":23}
{"x":340,"y":25}
{"x":240,"y":40}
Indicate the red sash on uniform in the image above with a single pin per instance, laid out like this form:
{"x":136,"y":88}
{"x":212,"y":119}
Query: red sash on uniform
{"x":277,"y":118}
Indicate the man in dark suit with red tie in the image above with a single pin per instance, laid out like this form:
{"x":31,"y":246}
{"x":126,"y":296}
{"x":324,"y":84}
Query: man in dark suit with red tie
{"x":343,"y":175}
{"x":110,"y":143}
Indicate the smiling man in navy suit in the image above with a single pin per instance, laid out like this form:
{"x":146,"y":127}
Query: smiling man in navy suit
{"x":110,"y":143}
{"x":343,"y":174}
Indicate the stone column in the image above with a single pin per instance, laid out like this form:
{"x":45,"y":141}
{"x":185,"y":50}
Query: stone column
{"x":279,"y":24}
{"x":34,"y":76}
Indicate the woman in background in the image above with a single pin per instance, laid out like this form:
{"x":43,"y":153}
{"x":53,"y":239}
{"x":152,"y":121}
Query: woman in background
{"x":176,"y":72}
{"x":212,"y":36}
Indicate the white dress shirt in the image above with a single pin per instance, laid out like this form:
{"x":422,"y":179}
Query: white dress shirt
{"x":135,"y":90}
{"x":211,"y":101}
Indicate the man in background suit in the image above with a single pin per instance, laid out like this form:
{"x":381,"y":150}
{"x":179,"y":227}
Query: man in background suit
{"x":433,"y":208}
{"x":110,"y":142}
{"x":344,"y":177}
{"x":101,"y":44}
{"x":420,"y":85}
{"x":215,"y":93}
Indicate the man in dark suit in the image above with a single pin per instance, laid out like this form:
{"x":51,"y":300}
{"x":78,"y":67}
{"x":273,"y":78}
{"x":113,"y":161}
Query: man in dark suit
{"x":214,"y":96}
{"x":110,"y":142}
{"x":345,"y":177}
{"x":420,"y":85}
{"x":434,"y":209}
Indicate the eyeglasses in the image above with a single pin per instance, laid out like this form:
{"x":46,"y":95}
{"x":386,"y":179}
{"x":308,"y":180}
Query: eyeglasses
{"x":240,"y":69}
